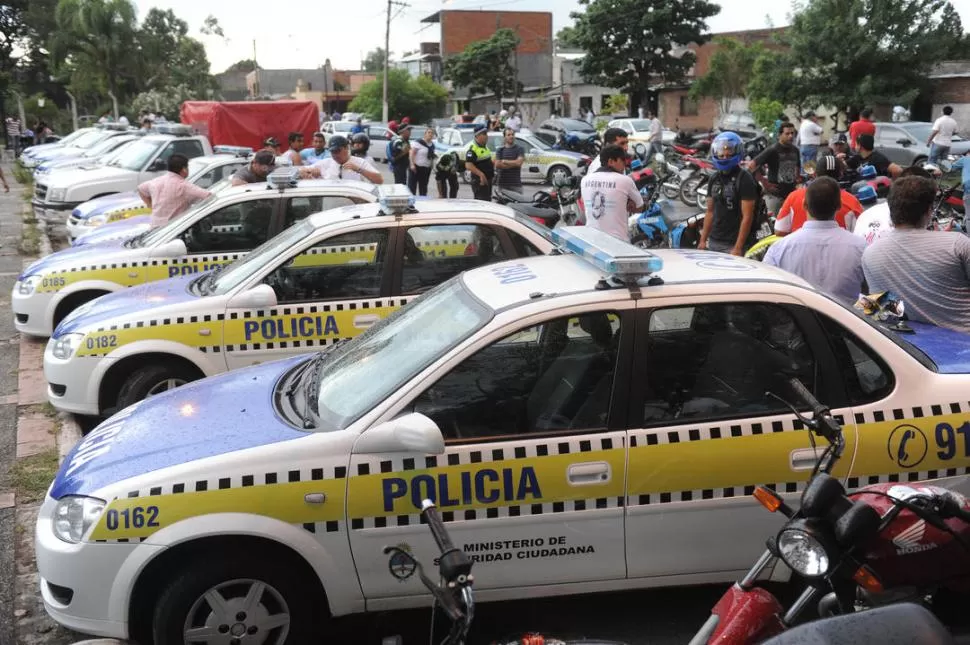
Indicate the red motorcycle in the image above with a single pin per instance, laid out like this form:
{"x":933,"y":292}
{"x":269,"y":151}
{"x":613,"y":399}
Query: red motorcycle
{"x":882,"y":544}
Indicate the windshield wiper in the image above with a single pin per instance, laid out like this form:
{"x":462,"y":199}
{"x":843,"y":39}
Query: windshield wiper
{"x":310,"y":387}
{"x":206,"y":282}
{"x":135,"y":242}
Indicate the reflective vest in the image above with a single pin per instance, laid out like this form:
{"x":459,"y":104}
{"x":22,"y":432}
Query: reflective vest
{"x":481,"y":152}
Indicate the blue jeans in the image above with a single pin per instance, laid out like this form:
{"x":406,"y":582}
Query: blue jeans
{"x":809,"y":153}
{"x":938,"y":153}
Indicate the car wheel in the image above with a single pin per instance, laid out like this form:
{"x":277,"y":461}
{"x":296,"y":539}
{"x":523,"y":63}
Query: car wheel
{"x":558,"y":172}
{"x":151,"y":380}
{"x":919,"y":162}
{"x":234,"y":598}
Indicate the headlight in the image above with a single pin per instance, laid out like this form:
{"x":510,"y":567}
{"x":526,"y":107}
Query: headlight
{"x":803,"y":551}
{"x":65,"y":346}
{"x":73,"y":516}
{"x":56,"y":194}
{"x":26,"y":286}
{"x":97,"y":220}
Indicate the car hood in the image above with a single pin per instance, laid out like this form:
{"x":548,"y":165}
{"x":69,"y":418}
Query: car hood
{"x":70,"y":176}
{"x":960,"y":148}
{"x":41,"y":148}
{"x":214,"y":416}
{"x":67,"y":162}
{"x":949,"y":349}
{"x":107,"y":203}
{"x":59,"y":153}
{"x":115,"y":231}
{"x":141,"y":300}
{"x":75,"y":256}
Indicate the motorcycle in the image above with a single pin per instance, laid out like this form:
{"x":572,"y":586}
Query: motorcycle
{"x":946,"y":217}
{"x":702,"y":169}
{"x":567,"y":195}
{"x":651,"y":227}
{"x":539,"y":208}
{"x":589,"y":145}
{"x":881,"y":544}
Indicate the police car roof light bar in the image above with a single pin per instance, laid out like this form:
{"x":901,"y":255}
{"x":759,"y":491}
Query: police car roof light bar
{"x":395,"y":199}
{"x":239,"y":151}
{"x":117,"y":127}
{"x":177,"y":129}
{"x":284,"y":177}
{"x":607,"y":253}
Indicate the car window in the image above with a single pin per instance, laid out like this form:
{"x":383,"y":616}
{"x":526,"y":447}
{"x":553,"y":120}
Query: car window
{"x":866,"y":376}
{"x":433,"y":254}
{"x":554,"y":376}
{"x":208,"y":178}
{"x":719,"y":360}
{"x":299,"y":208}
{"x":888,"y":136}
{"x":191,"y":148}
{"x":526,"y":146}
{"x":523,"y":247}
{"x":347,"y":266}
{"x":545,"y":137}
{"x":238,"y":227}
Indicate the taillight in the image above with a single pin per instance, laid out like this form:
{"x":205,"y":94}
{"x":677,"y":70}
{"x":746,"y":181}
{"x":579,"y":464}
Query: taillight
{"x":539,"y":220}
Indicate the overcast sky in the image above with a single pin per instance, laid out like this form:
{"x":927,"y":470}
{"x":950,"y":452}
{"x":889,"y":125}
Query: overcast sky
{"x":303,"y":34}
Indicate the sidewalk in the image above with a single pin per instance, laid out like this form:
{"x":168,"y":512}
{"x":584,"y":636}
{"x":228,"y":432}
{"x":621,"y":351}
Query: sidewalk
{"x":33,"y":436}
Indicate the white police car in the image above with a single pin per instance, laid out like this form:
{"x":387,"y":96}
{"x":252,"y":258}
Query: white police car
{"x":541,"y":162}
{"x":583,"y":426}
{"x":214,"y":232}
{"x":323,"y":280}
{"x":129,"y":208}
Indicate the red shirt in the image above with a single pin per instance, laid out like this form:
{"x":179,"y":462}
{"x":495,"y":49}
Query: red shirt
{"x":792,"y":213}
{"x":860,"y":127}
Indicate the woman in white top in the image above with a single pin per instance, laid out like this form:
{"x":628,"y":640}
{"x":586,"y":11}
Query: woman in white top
{"x":422,"y":158}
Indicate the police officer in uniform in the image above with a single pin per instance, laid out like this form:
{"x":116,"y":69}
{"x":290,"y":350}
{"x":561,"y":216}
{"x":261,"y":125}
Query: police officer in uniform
{"x":478,"y":161}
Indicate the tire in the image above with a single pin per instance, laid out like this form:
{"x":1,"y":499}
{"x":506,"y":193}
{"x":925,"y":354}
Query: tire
{"x":558,"y":170}
{"x":919,"y":162}
{"x":701,"y":199}
{"x":643,"y":242}
{"x":688,"y":189}
{"x":152,"y":379}
{"x":672,"y":192}
{"x":183,"y":605}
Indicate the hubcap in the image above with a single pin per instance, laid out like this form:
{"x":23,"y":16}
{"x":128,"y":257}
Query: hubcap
{"x":559,"y":173}
{"x":166,"y":385}
{"x":238,"y":612}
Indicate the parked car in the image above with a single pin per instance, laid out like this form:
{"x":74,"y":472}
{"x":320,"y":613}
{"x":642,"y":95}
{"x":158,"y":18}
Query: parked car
{"x":331,"y":128}
{"x":738,"y":122}
{"x":904,"y":143}
{"x":639,"y":130}
{"x":542,"y":163}
{"x":456,"y":137}
{"x":557,"y":126}
{"x":95,"y":156}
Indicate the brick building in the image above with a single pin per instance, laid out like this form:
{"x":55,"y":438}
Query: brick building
{"x":675,"y":108}
{"x":951,"y":86}
{"x":533,"y":57}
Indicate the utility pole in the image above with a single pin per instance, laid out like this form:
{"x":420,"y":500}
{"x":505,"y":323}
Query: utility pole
{"x":387,"y":53}
{"x":256,"y":70}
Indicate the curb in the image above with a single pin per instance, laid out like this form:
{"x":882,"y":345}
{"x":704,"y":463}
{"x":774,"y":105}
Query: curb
{"x":68,"y":436}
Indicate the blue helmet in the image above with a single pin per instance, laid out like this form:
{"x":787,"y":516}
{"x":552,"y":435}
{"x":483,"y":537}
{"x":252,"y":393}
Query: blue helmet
{"x":727,"y":151}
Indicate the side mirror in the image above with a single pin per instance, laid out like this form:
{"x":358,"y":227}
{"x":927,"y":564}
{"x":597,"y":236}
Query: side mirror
{"x":640,"y":150}
{"x":157,"y":165}
{"x":413,"y":432}
{"x":259,"y":297}
{"x":904,"y":142}
{"x":171,"y":249}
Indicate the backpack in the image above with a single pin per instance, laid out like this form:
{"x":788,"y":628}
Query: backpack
{"x":388,"y":152}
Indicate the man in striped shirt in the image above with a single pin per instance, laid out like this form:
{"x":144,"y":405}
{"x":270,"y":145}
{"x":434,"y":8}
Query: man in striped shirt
{"x":13,"y":135}
{"x":928,"y":270}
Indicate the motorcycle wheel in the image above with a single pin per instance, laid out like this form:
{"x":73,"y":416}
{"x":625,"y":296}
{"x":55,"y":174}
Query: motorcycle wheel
{"x":670,"y":187}
{"x":701,"y":197}
{"x":641,"y":241}
{"x":688,"y":189}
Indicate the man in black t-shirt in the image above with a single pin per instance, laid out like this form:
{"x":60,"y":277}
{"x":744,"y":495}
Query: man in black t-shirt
{"x":401,"y":154}
{"x":784,"y":166}
{"x":869,"y":157}
{"x":508,"y":163}
{"x":732,"y":193}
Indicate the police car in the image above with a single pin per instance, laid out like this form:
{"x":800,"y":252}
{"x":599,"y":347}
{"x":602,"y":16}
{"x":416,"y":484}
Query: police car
{"x":541,"y":162}
{"x":214,"y":232}
{"x":203,"y":171}
{"x":584,"y":423}
{"x":325,"y":279}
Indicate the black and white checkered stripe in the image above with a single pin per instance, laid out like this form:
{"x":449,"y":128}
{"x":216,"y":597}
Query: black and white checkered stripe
{"x":244,"y":480}
{"x":138,"y":264}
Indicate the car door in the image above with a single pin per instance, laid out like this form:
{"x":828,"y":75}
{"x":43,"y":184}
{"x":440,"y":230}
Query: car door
{"x":532,"y":163}
{"x":221,"y":236}
{"x":327,"y":291}
{"x":707,"y":432}
{"x":888,"y":140}
{"x":532,"y":477}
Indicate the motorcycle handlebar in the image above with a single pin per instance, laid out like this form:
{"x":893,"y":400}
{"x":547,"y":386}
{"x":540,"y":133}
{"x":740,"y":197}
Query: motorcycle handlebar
{"x":438,"y":530}
{"x":825,"y":424}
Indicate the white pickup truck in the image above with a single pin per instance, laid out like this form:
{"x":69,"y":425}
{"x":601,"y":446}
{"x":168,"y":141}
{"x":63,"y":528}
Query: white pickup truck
{"x":61,"y":191}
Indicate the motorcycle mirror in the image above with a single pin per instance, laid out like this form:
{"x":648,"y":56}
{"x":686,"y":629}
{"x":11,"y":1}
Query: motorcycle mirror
{"x":659,"y":158}
{"x":822,"y":493}
{"x":857,"y":524}
{"x":640,"y":149}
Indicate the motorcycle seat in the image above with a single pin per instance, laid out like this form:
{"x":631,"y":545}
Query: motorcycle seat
{"x":512,"y":195}
{"x":531,"y":210}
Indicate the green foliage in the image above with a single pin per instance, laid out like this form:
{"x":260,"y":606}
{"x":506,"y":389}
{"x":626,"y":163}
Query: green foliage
{"x":617,"y":104}
{"x":631,"y":43}
{"x":566,"y":38}
{"x":31,"y":476}
{"x":167,"y":101}
{"x":859,"y":52}
{"x":419,"y":98}
{"x":766,"y":112}
{"x":246,"y":65}
{"x":211,"y":27}
{"x":729,"y":72}
{"x":374,"y":60}
{"x":486,"y":65}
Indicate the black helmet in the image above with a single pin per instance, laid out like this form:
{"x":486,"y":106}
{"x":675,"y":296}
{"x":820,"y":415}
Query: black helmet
{"x":359,"y":144}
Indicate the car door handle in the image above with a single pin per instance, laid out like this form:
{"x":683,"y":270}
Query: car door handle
{"x":363,"y":322}
{"x":590,"y":472}
{"x":803,"y":459}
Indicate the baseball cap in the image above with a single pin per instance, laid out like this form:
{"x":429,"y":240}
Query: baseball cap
{"x":271,"y":141}
{"x":337,"y":142}
{"x":839,"y":138}
{"x":480,"y":129}
{"x":403,"y":127}
{"x":265,"y":158}
{"x":827,"y":166}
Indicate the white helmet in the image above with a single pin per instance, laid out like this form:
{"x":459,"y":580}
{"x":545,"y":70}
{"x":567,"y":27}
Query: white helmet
{"x":503,"y":113}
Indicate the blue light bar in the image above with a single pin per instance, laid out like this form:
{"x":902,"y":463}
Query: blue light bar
{"x":395,"y":199}
{"x":239,"y":151}
{"x":607,"y":253}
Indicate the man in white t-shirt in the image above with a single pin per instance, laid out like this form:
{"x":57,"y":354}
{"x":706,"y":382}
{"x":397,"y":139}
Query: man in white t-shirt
{"x":609,"y":195}
{"x":942,"y":136}
{"x":514,"y":122}
{"x":874,"y":223}
{"x":656,"y":134}
{"x":341,"y":165}
{"x":617,"y":136}
{"x":809,"y":137}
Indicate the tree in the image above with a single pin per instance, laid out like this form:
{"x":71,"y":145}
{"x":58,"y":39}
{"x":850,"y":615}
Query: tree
{"x":729,"y":72}
{"x":374,"y":60}
{"x":486,"y":65}
{"x":167,"y":101}
{"x":633,"y":44}
{"x":850,"y":53}
{"x":419,"y":98}
{"x":566,"y":38}
{"x":247,"y":65}
{"x":766,"y":112}
{"x":211,"y":27}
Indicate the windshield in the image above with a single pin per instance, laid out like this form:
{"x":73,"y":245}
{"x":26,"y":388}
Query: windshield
{"x":896,"y":338}
{"x":241,"y":270}
{"x":573,"y":124}
{"x":104,"y":147}
{"x":88,"y":139}
{"x":342,"y":126}
{"x":196,"y":166}
{"x":162,"y":231}
{"x":536,"y":142}
{"x":135,"y":157}
{"x":640,"y":124}
{"x":74,"y":136}
{"x":361,"y":373}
